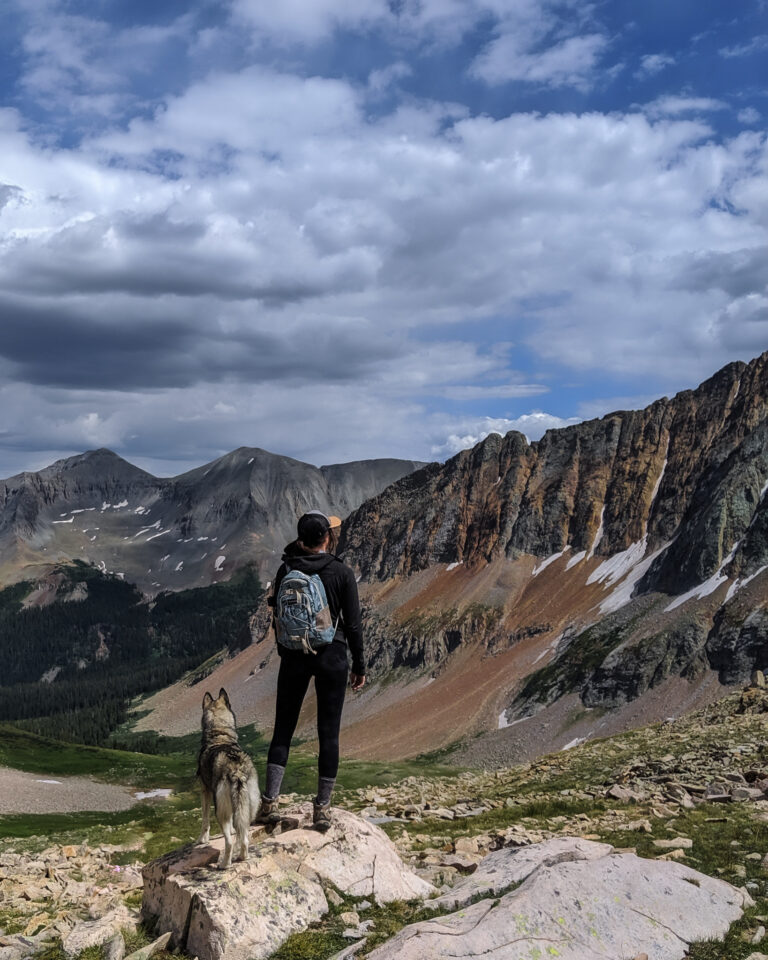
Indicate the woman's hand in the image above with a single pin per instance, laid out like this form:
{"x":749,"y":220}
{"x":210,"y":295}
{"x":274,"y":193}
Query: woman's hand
{"x":357,"y":681}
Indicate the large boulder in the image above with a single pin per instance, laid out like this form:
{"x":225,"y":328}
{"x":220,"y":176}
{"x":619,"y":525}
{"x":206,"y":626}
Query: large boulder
{"x":578,"y":901}
{"x":249,"y":909}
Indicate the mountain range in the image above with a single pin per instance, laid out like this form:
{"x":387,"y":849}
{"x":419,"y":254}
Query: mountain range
{"x":518,"y":598}
{"x":175,"y":533}
{"x":524,"y":596}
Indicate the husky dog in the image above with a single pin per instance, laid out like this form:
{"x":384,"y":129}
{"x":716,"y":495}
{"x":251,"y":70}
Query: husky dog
{"x":228,"y":779}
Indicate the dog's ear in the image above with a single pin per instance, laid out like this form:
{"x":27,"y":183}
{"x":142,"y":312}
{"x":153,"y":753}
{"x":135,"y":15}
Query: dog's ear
{"x":223,"y":695}
{"x":207,"y":700}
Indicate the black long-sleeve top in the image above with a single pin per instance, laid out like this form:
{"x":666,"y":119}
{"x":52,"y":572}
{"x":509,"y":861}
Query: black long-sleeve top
{"x":341,"y":590}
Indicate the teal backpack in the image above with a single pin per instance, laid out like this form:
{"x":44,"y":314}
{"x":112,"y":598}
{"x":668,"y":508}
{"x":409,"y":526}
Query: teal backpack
{"x":302,"y":616}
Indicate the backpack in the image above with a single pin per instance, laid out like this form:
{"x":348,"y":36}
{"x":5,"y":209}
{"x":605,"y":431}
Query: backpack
{"x":302,"y":616}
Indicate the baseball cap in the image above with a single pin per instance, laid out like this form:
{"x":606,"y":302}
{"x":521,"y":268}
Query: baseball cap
{"x":315,"y":523}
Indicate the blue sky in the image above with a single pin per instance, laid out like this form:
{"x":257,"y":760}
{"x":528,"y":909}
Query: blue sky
{"x":340,"y":229}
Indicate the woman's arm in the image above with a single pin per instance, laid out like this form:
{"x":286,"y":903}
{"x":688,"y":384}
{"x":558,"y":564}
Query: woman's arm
{"x":353,"y":631}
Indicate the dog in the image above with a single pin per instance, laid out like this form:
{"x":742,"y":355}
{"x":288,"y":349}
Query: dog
{"x":228,"y":779}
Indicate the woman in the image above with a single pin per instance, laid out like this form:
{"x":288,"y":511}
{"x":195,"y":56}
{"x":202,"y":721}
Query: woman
{"x":312,"y":553}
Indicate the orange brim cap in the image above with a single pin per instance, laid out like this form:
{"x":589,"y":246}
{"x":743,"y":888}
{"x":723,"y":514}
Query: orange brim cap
{"x":334,"y":522}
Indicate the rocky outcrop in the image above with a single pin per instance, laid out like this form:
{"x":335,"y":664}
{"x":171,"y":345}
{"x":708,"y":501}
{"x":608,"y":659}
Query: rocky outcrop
{"x":68,"y":893}
{"x":737,"y":646}
{"x":580,"y":901}
{"x":632,"y":669}
{"x":184,"y":531}
{"x":688,"y":472}
{"x":250,"y":909}
{"x":423,"y":641}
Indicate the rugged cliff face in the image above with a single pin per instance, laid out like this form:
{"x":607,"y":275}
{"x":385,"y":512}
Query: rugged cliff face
{"x":185,"y":531}
{"x":616,"y":555}
{"x":685,"y":474}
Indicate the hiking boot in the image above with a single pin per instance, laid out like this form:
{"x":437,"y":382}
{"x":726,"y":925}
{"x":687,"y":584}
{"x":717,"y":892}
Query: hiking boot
{"x":268,"y":812}
{"x":321,"y":817}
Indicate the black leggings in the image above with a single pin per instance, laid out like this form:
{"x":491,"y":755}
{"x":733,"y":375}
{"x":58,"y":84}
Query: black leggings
{"x":329,"y":668}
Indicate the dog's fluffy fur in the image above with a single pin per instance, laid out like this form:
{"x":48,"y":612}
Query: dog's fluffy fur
{"x":228,"y":779}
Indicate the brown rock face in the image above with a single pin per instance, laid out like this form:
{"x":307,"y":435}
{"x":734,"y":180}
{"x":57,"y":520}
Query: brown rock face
{"x":687,"y":472}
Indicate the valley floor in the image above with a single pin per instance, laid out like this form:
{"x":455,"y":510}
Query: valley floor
{"x":22,"y":792}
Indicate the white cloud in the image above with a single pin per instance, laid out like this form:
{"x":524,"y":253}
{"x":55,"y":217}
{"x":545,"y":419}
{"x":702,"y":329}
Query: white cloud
{"x":749,"y":115}
{"x":308,"y":21}
{"x":469,"y":432}
{"x":568,"y":62}
{"x":756,"y":45}
{"x":653,"y":63}
{"x":671,"y":105}
{"x":263,"y":242}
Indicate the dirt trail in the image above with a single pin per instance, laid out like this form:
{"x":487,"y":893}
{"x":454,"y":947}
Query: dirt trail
{"x":38,"y":793}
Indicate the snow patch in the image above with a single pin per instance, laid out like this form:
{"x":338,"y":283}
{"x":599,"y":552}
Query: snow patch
{"x":49,"y":781}
{"x":201,"y":538}
{"x":166,"y":557}
{"x":251,"y":460}
{"x":152,"y":526}
{"x":452,"y":566}
{"x":599,"y":534}
{"x":141,"y":510}
{"x":179,"y":566}
{"x":71,"y":520}
{"x":504,"y":723}
{"x":709,"y":586}
{"x":623,"y":592}
{"x":219,"y":563}
{"x":738,"y":584}
{"x":105,"y":506}
{"x":548,"y":649}
{"x":617,"y":566}
{"x":118,"y":506}
{"x":160,"y":534}
{"x":545,"y":563}
{"x":149,"y":794}
{"x":576,"y":558}
{"x":574,"y":743}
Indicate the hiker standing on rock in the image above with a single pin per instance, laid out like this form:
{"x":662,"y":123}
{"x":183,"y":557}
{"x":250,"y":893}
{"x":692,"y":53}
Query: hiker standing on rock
{"x":316,"y":618}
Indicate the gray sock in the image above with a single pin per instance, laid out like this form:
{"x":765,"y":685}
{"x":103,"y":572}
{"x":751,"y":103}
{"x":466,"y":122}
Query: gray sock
{"x":274,"y":781}
{"x":324,"y":790}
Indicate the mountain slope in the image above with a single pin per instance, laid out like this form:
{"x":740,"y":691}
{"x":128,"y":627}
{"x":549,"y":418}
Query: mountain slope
{"x":189,"y":530}
{"x":603,"y":561}
{"x":529,"y":595}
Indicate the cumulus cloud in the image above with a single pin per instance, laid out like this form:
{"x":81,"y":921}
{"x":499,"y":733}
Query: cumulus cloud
{"x":749,"y":116}
{"x":261,"y":246}
{"x":469,"y":432}
{"x":653,"y":63}
{"x":671,"y":105}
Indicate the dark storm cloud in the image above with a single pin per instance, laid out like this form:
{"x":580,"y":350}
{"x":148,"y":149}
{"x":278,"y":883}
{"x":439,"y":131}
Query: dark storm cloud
{"x":132,"y":344}
{"x":156,"y":255}
{"x":737,"y":272}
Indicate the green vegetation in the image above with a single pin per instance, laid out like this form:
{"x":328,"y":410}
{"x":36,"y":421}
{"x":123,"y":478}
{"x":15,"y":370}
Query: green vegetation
{"x":110,"y":647}
{"x":155,"y":828}
{"x":569,"y":671}
{"x":479,"y":616}
{"x":28,"y":751}
{"x":324,"y":938}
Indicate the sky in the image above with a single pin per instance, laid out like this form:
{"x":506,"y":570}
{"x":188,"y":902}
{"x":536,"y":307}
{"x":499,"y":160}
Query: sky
{"x":342,"y":229}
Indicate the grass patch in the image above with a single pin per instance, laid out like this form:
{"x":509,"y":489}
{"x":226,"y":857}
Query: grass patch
{"x":35,"y":754}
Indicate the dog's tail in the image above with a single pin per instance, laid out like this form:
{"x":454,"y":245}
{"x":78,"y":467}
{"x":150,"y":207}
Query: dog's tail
{"x":241,"y":804}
